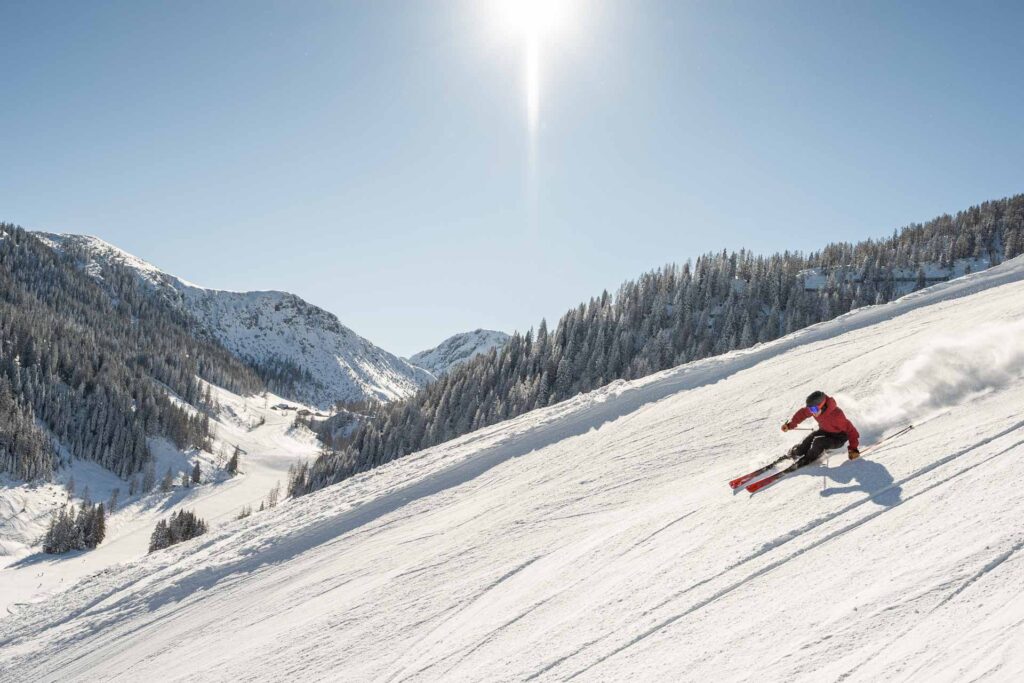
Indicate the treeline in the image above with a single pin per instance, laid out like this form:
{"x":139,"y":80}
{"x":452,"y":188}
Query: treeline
{"x":665,"y":318}
{"x":91,"y":361}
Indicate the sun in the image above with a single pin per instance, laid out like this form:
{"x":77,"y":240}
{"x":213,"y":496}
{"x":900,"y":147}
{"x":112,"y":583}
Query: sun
{"x":533,"y":17}
{"x":535,"y":22}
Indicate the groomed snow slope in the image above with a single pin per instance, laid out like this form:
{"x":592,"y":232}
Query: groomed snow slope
{"x":597,"y":539}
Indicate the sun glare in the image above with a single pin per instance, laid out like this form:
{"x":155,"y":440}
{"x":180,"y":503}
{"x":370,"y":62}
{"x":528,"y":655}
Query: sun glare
{"x":533,"y":17}
{"x":534,"y":22}
{"x":541,"y":30}
{"x":532,"y":82}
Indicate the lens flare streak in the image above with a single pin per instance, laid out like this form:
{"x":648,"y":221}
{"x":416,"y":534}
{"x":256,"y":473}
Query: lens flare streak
{"x":533,"y":82}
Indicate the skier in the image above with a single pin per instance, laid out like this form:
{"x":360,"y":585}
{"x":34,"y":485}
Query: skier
{"x":833,"y":431}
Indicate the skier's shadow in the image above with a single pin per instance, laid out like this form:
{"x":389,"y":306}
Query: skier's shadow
{"x":865,"y":476}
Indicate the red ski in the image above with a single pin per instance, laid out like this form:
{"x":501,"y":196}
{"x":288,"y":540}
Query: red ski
{"x":767,"y":481}
{"x":740,"y":481}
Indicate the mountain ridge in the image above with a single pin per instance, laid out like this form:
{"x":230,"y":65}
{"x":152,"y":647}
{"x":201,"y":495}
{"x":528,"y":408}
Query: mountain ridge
{"x":304,"y":351}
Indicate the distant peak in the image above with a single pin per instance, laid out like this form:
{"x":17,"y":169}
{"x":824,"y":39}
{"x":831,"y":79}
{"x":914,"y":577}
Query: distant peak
{"x":458,"y":349}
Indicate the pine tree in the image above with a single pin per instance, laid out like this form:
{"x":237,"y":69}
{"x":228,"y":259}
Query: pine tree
{"x":167,"y":483}
{"x":69,"y":531}
{"x":96,"y":527}
{"x":182,"y":526}
{"x":148,"y":478}
{"x":232,"y":466}
{"x":161,"y":537}
{"x":60,"y":535}
{"x":297,"y":478}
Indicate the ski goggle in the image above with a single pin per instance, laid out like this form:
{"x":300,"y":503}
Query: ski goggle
{"x":814,"y":409}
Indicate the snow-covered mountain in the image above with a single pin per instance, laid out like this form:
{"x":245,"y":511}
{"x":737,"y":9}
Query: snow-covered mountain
{"x":457,"y":349}
{"x":276,"y":331}
{"x":597,"y":539}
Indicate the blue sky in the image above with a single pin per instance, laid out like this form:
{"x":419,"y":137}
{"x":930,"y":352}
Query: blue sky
{"x":373,"y":157}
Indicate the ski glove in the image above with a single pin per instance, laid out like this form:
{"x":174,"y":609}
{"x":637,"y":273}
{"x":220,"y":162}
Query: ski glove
{"x":853,"y":453}
{"x":785,"y":426}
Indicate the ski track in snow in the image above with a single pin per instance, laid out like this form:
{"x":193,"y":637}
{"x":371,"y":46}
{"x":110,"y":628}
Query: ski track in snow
{"x":597,"y":539}
{"x":798,"y":534}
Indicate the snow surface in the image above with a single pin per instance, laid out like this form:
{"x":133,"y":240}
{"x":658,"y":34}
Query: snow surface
{"x":270,"y":444}
{"x":597,"y":539}
{"x":266,"y":326}
{"x":458,"y":349}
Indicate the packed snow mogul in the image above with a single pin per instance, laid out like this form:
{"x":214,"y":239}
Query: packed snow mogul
{"x":833,"y":430}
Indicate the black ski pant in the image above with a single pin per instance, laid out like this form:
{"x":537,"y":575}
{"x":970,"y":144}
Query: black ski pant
{"x":811,"y":448}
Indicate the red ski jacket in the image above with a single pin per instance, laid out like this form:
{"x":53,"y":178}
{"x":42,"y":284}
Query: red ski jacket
{"x":831,"y":419}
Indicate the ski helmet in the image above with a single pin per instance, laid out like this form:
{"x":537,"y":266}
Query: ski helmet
{"x":816,"y":398}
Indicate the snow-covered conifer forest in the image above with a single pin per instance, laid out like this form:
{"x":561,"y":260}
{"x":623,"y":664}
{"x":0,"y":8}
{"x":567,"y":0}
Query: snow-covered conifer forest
{"x":673,"y":315}
{"x":90,"y":368}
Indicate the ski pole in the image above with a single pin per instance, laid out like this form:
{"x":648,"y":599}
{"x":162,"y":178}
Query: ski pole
{"x":891,"y":436}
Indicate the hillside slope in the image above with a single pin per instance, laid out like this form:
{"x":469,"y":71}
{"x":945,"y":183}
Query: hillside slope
{"x":306,"y":350}
{"x":596,"y":539}
{"x":269,"y":444}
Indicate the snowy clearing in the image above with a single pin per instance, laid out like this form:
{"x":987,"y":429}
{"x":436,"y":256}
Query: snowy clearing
{"x":28,"y":576}
{"x":597,"y":539}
